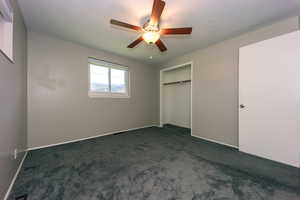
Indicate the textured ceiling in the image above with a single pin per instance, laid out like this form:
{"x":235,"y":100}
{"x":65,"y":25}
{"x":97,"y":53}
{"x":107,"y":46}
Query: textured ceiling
{"x":87,"y":22}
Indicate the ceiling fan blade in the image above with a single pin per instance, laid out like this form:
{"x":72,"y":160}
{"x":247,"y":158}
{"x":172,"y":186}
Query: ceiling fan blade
{"x":176,"y":31}
{"x":161,"y":45}
{"x":125,"y":25}
{"x":136,"y":42}
{"x":157,"y":9}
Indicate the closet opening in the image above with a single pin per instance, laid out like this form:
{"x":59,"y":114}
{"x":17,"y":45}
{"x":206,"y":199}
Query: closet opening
{"x":176,"y":97}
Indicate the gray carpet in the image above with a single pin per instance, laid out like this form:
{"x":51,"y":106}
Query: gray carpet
{"x":151,"y":164}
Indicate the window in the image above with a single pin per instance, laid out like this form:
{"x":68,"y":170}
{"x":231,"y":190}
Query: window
{"x":6,"y":29}
{"x":108,"y":79}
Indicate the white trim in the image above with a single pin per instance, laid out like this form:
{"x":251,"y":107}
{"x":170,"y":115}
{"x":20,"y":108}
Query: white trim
{"x":15,"y":177}
{"x":6,"y":38}
{"x":176,"y":66}
{"x":161,"y":93}
{"x":214,"y":141}
{"x":107,"y":95}
{"x":6,"y":10}
{"x":87,"y":138}
{"x":108,"y":64}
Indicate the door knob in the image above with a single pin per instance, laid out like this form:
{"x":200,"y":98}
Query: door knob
{"x":242,"y":106}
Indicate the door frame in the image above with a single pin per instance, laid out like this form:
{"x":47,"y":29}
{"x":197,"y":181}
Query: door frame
{"x":161,"y":91}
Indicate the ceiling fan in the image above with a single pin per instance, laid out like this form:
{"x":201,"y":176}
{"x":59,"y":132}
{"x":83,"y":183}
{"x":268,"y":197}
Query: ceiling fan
{"x":151,"y":30}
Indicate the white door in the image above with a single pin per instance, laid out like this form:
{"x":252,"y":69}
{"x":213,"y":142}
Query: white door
{"x":269,"y":97}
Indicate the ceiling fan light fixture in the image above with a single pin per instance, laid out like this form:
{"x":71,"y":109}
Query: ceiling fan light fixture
{"x":151,"y":31}
{"x":151,"y":37}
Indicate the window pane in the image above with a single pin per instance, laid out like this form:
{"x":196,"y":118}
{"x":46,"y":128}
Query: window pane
{"x":99,"y":78}
{"x":118,"y":81}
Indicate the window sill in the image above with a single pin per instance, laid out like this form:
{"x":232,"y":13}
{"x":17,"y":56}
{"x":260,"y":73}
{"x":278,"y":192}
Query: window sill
{"x":107,"y":95}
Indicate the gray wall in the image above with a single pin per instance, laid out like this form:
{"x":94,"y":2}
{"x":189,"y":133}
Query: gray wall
{"x":215,"y":82}
{"x":59,"y":108}
{"x":13,"y":105}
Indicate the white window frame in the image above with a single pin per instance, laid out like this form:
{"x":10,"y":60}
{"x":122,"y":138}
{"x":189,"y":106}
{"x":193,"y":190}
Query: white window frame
{"x":93,"y":94}
{"x":6,"y":29}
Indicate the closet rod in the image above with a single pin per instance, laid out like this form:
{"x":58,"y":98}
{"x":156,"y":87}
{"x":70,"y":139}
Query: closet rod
{"x":177,"y":82}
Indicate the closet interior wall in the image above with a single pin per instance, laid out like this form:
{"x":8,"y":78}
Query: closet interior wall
{"x":176,"y":96}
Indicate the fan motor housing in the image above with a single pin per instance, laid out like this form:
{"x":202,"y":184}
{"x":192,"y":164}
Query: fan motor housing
{"x":151,"y":27}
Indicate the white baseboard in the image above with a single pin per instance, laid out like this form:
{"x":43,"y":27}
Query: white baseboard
{"x":87,"y":138}
{"x":214,"y":141}
{"x":15,"y":177}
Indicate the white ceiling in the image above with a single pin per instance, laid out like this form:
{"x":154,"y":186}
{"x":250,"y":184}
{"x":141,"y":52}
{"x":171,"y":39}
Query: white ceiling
{"x":87,"y":22}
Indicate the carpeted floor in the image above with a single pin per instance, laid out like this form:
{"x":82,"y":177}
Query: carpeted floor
{"x":152,"y":164}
